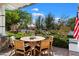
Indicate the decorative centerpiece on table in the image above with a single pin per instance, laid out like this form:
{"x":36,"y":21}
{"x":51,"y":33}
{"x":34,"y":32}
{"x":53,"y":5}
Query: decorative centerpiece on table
{"x":32,"y":37}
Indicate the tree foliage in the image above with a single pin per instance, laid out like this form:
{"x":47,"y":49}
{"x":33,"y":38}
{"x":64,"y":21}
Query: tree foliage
{"x":25,"y":19}
{"x":49,"y":21}
{"x":17,"y":16}
{"x":12,"y":17}
{"x":38,"y":22}
{"x":71,"y":23}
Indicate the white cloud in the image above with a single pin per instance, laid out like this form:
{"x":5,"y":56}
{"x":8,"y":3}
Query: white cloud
{"x":56,"y":20}
{"x":38,"y":14}
{"x":35,"y":9}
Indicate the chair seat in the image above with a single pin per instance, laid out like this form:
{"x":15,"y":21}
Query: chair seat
{"x":37,"y":47}
{"x":26,"y":45}
{"x":26,"y":48}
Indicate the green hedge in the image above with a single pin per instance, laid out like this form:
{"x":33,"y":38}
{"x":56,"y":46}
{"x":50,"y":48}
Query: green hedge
{"x":60,"y":40}
{"x":60,"y":43}
{"x":10,"y":34}
{"x":17,"y":35}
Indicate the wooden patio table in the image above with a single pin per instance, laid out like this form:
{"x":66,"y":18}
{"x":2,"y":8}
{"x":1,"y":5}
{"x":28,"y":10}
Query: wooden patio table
{"x":33,"y":41}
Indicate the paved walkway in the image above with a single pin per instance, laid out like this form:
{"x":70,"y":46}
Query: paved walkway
{"x":56,"y":52}
{"x":72,"y":53}
{"x":60,"y":51}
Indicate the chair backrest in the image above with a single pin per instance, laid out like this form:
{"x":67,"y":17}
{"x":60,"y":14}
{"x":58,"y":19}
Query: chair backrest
{"x":51,"y":38}
{"x":12,"y":39}
{"x":45,"y":44}
{"x":18,"y":44}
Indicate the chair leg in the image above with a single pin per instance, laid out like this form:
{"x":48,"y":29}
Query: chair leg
{"x":34,"y":52}
{"x":31,"y":52}
{"x":40,"y":53}
{"x":52,"y":50}
{"x":16,"y":53}
{"x":48,"y":52}
{"x":24,"y":54}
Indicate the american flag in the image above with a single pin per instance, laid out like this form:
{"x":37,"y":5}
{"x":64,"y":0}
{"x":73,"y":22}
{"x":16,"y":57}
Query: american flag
{"x":76,"y":28}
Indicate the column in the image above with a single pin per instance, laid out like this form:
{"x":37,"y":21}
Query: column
{"x":2,"y":20}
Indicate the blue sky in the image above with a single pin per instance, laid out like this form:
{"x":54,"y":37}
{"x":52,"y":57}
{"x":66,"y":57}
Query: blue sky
{"x":56,"y":9}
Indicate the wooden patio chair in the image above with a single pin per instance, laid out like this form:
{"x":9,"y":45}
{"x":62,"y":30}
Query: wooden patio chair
{"x":44,"y":46}
{"x":11,"y":44}
{"x":51,"y":41}
{"x":20,"y":47}
{"x":51,"y":44}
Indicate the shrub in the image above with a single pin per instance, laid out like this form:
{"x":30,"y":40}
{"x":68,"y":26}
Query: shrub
{"x":41,"y":33}
{"x":19,"y":35}
{"x":60,"y":40}
{"x":10,"y":34}
{"x":30,"y":34}
{"x":60,"y":43}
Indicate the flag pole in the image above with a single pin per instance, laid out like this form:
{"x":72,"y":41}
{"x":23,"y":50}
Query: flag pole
{"x":78,"y":11}
{"x":78,"y":8}
{"x":78,"y":18}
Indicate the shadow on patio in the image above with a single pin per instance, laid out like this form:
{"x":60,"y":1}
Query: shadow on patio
{"x":56,"y":52}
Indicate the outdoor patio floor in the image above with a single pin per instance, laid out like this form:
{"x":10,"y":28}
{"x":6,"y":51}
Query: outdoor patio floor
{"x":56,"y":52}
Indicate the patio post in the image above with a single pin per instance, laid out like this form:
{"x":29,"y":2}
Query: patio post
{"x":2,"y":19}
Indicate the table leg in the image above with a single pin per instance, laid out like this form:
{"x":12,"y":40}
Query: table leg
{"x":34,"y":52}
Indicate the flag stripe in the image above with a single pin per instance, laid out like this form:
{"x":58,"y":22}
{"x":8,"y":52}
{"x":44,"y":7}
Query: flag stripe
{"x":76,"y":29}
